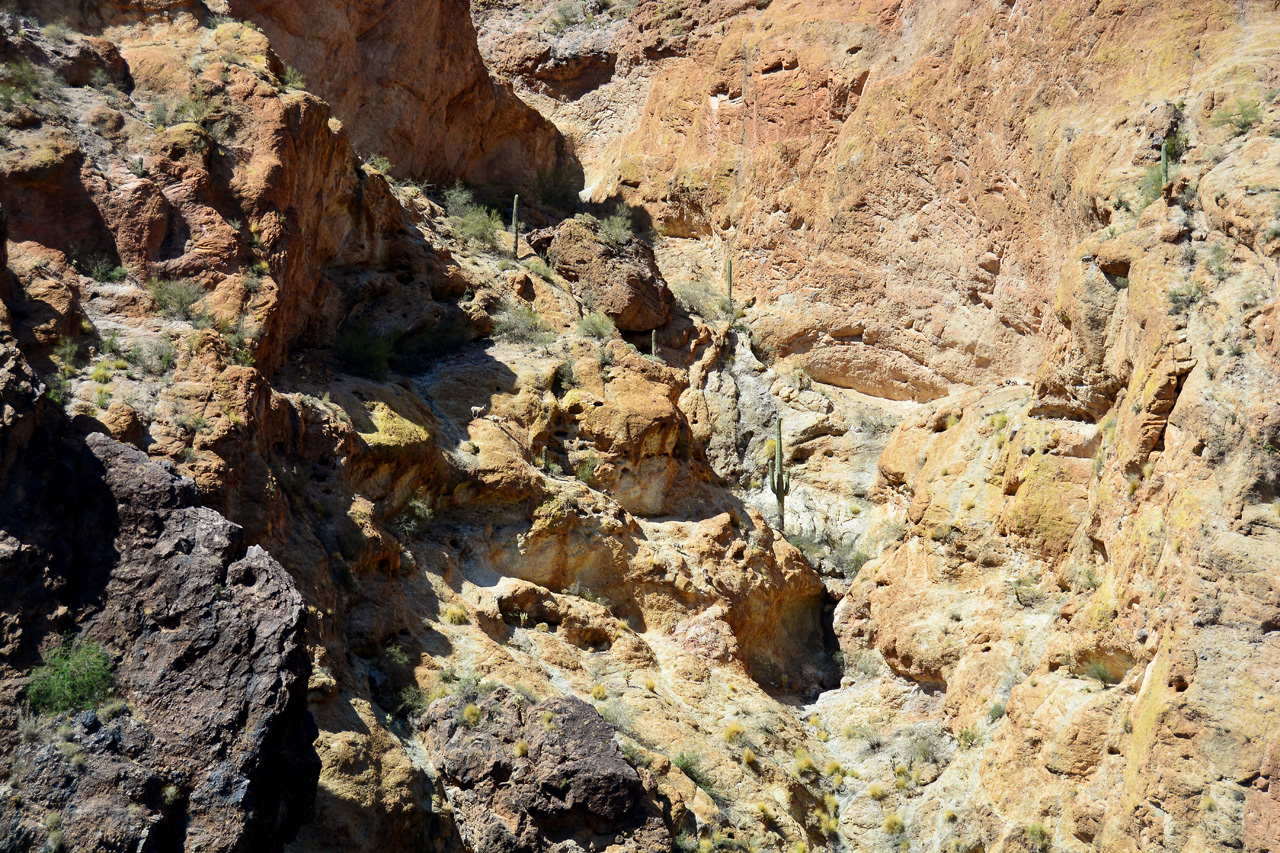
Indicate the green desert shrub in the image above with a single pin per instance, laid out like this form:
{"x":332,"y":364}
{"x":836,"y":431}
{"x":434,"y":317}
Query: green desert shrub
{"x":416,"y":515}
{"x":1219,"y":258}
{"x":471,"y":221}
{"x":412,"y":702}
{"x":1152,"y":184}
{"x":100,"y":268}
{"x":22,"y":83}
{"x":587,"y":469}
{"x":292,"y":78}
{"x":539,"y":267}
{"x":701,"y":300}
{"x":1181,"y":297}
{"x":565,"y":15}
{"x":379,"y":163}
{"x":522,"y":324}
{"x":1240,"y":116}
{"x":1101,"y":673}
{"x":176,"y":299}
{"x":691,"y":766}
{"x":75,"y":676}
{"x":617,"y":229}
{"x":597,"y":325}
{"x":363,"y":350}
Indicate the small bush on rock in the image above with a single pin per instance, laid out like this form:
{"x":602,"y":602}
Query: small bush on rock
{"x":597,"y":325}
{"x":691,"y":766}
{"x":413,"y":703}
{"x":539,"y":267}
{"x":616,"y":229}
{"x":471,"y":221}
{"x":1100,"y":672}
{"x":21,"y":83}
{"x":75,"y":676}
{"x":176,"y":299}
{"x":1240,"y":116}
{"x":522,"y":324}
{"x":415,"y":516}
{"x":587,"y":469}
{"x":292,"y":78}
{"x":701,"y":300}
{"x":1038,"y":837}
{"x":100,"y":268}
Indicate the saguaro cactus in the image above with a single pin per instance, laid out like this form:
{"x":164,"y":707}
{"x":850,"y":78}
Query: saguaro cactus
{"x":728,"y":277}
{"x":779,"y":480}
{"x":515,"y":227}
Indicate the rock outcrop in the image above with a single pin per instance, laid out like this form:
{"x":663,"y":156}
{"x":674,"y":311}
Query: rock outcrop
{"x":1006,"y":298}
{"x":409,"y":83}
{"x":210,"y":743}
{"x":525,"y":777}
{"x":418,"y":94}
{"x":1046,"y":551}
{"x":617,"y":276}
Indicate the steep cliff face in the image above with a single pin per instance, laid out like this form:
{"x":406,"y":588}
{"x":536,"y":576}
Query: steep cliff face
{"x":408,"y":81}
{"x":921,"y":201}
{"x":896,"y":198}
{"x":406,"y":78}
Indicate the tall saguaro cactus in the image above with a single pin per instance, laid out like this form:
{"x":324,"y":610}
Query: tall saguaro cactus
{"x":515,"y":227}
{"x":779,"y":480}
{"x":728,"y":277}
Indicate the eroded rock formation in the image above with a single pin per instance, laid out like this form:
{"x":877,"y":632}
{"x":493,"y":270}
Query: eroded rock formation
{"x":1010,"y":292}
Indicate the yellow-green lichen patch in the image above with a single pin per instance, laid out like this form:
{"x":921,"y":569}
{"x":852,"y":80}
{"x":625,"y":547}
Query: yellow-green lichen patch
{"x":1048,"y":506}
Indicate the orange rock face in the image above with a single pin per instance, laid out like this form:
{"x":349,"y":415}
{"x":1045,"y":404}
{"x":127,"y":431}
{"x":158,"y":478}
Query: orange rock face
{"x":408,"y":82}
{"x":896,"y":198}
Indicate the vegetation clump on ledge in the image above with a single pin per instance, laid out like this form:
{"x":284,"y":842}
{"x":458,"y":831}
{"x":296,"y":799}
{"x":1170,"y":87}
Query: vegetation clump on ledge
{"x":75,"y":676}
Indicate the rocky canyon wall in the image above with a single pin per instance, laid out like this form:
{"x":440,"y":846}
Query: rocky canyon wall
{"x":275,"y":423}
{"x":406,"y":78}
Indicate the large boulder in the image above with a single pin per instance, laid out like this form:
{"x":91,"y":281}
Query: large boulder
{"x":619,"y":277}
{"x":521,"y":777}
{"x":211,"y":746}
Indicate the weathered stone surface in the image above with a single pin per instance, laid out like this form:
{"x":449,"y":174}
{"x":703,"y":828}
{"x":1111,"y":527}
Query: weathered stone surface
{"x":417,"y":93}
{"x":622,"y":281}
{"x":1026,"y":398}
{"x":214,"y":746}
{"x":570,"y":783}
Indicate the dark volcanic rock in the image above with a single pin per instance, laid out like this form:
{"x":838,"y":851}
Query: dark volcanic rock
{"x":572,"y":789}
{"x":213,"y":751}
